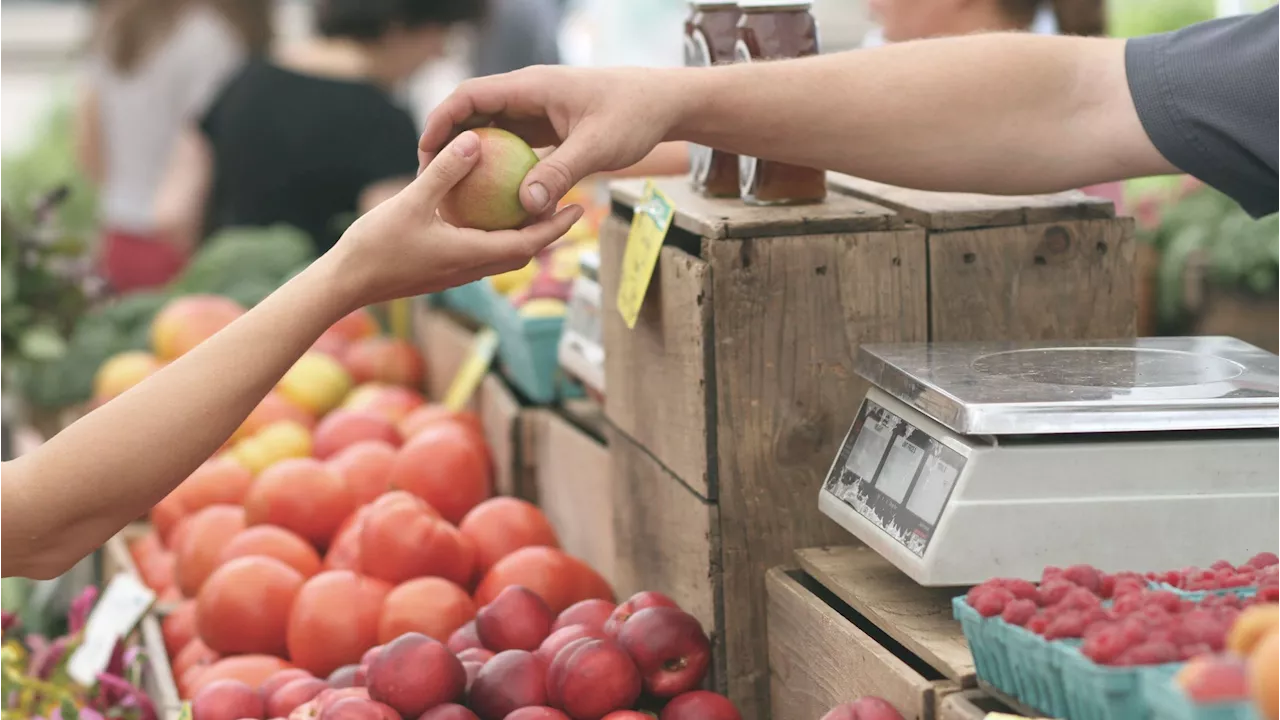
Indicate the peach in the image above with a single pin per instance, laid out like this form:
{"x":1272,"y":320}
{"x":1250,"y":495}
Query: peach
{"x":512,"y":679}
{"x":670,"y":649}
{"x":315,"y":708}
{"x":316,"y":383}
{"x":865,"y":708}
{"x":633,"y":605}
{"x":628,"y":715}
{"x":557,"y":640}
{"x":280,"y":679}
{"x":464,"y":638}
{"x":403,"y":538}
{"x":122,"y":372}
{"x":354,"y":326}
{"x":591,"y":677}
{"x":479,"y":655}
{"x":414,"y":673}
{"x":700,"y":705}
{"x":188,"y":321}
{"x":537,"y":712}
{"x":1213,"y":678}
{"x":347,"y":676}
{"x":1264,"y":674}
{"x":227,"y":700}
{"x":488,"y":198}
{"x":517,"y":619}
{"x":385,"y":360}
{"x":591,"y":613}
{"x":1252,"y":625}
{"x":278,"y":441}
{"x":341,"y":429}
{"x":273,"y":408}
{"x":448,"y":711}
{"x":355,"y":708}
{"x":393,"y":402}
{"x":284,"y":700}
{"x":473,"y":671}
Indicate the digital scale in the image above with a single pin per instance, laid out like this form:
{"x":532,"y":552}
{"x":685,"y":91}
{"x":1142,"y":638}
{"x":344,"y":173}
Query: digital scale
{"x":581,"y":349}
{"x":973,"y":461}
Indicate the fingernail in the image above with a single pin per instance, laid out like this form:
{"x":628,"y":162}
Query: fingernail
{"x":538,"y":194}
{"x":466,"y":144}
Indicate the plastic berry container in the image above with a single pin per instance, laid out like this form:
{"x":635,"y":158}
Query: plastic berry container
{"x":1167,"y":701}
{"x":1013,"y":660}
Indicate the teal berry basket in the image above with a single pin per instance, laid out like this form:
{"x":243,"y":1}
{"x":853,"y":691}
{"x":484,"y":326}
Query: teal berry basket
{"x":1198,"y":595}
{"x":1100,"y":692}
{"x":1167,"y":701}
{"x":1013,"y":660}
{"x":473,"y":300}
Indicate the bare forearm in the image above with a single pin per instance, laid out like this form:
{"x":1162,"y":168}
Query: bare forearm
{"x":994,"y":113}
{"x":77,"y":490}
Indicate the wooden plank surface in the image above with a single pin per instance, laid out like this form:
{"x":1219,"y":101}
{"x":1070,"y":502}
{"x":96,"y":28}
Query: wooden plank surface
{"x":790,"y":314}
{"x":916,"y":616}
{"x":658,"y":395}
{"x":1066,"y":280}
{"x":444,"y":342}
{"x":666,"y":538}
{"x":718,"y":218}
{"x":969,"y":705}
{"x":954,"y":211}
{"x":819,"y":659}
{"x":499,"y":413}
{"x":575,"y":490}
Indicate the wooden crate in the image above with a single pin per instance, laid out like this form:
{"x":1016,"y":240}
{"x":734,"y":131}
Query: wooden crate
{"x":846,"y":624}
{"x":737,"y":385}
{"x":573,"y":486}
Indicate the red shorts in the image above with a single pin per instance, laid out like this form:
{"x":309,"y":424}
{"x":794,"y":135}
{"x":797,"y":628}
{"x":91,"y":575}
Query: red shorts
{"x":139,"y":262}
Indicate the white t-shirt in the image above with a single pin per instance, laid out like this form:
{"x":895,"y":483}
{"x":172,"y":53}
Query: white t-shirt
{"x":143,"y":111}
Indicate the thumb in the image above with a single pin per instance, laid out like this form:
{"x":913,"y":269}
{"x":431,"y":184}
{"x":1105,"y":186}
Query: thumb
{"x":554,"y":175}
{"x":447,"y":168}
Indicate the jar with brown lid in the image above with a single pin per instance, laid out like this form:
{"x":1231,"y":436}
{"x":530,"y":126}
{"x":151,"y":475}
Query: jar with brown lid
{"x":777,"y":30}
{"x":709,"y":37}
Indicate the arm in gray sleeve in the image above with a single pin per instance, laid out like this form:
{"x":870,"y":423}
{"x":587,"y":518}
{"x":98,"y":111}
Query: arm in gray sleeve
{"x":1207,"y":97}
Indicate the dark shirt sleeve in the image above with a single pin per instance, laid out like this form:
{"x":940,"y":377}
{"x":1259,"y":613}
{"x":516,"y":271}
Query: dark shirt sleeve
{"x":1207,"y":97}
{"x":391,"y":146}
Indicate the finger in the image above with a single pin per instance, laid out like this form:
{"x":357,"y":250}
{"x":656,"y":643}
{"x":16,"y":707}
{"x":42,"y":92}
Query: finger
{"x":445,"y":169}
{"x":577,"y":157}
{"x":510,"y":246}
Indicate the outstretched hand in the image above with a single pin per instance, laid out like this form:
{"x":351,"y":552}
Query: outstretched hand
{"x":403,"y":247}
{"x":597,"y":119}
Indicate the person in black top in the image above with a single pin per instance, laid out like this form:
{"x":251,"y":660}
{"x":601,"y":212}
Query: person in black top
{"x":312,"y":135}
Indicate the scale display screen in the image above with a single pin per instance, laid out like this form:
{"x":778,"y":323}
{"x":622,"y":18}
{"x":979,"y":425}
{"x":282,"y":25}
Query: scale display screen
{"x":895,"y":475}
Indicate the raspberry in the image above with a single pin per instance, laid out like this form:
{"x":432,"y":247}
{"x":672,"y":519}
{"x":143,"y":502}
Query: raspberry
{"x":1069,"y":624}
{"x":1023,"y":589}
{"x":1105,"y":644}
{"x":978,"y":591}
{"x":1085,"y":576}
{"x":1080,"y":599}
{"x":1038,"y":624}
{"x":1149,"y":653}
{"x":1128,"y":586}
{"x":1019,"y":611}
{"x":1269,"y":594}
{"x":1050,"y":573}
{"x":1200,"y":626}
{"x":1263,"y":559}
{"x":1186,"y":652}
{"x":1155,"y":616}
{"x":1052,"y":591}
{"x":1222,"y":565}
{"x":1129,"y":602}
{"x":992,"y":602}
{"x":1108,"y":587}
{"x":1163,"y":599}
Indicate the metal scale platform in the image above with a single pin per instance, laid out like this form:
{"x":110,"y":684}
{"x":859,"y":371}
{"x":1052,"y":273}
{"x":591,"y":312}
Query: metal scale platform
{"x":971,"y":461}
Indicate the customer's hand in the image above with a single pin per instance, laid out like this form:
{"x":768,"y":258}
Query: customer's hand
{"x":402,"y":247}
{"x":599,"y":119}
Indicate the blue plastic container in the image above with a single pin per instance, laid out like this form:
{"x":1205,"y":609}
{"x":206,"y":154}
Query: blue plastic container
{"x":1100,"y":692}
{"x":1198,"y":595}
{"x":1013,"y":660}
{"x":473,"y":300}
{"x":1167,"y":702}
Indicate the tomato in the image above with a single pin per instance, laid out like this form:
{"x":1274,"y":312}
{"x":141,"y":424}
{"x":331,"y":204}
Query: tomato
{"x":334,"y":620}
{"x":244,"y":606}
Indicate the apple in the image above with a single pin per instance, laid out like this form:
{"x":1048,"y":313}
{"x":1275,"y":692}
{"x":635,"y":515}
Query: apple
{"x":669,"y":647}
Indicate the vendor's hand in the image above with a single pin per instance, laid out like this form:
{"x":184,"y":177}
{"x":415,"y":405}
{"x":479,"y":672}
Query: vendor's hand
{"x":402,"y":247}
{"x":598,"y":119}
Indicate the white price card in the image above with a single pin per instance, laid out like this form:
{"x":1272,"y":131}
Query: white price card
{"x":118,"y":611}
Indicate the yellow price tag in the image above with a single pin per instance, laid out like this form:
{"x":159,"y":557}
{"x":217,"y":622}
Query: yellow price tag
{"x":185,"y":712}
{"x":649,"y":228}
{"x":472,"y":371}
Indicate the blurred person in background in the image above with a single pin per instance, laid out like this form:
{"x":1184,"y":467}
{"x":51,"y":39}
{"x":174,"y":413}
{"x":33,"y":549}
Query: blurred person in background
{"x":517,"y":34}
{"x":903,"y":20}
{"x":153,"y":65}
{"x":312,"y":134}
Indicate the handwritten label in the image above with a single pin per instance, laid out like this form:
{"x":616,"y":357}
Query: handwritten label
{"x":122,"y":605}
{"x":472,"y":371}
{"x":649,"y":228}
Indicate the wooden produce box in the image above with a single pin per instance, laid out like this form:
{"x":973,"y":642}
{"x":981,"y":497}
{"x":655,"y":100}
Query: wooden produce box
{"x":847,"y":624}
{"x":731,"y":395}
{"x":445,"y":341}
{"x":573,"y":485}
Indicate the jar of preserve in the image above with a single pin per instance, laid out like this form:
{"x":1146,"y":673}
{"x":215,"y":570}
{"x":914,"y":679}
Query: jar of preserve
{"x":777,"y":30}
{"x":710,"y":34}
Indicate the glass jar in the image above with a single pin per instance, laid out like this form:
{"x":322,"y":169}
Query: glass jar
{"x":710,"y":34}
{"x":777,"y":30}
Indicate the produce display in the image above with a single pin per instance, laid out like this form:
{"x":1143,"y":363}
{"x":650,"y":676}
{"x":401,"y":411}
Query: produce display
{"x":36,"y":684}
{"x":1195,"y":636}
{"x":342,"y":556}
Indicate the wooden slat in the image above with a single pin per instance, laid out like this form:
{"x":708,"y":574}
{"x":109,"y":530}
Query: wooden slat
{"x":790,"y":314}
{"x":918,"y":617}
{"x":969,"y":705}
{"x":730,"y":218}
{"x":954,"y":211}
{"x":819,"y":659}
{"x":575,"y":490}
{"x":665,"y":536}
{"x":499,"y":413}
{"x":1067,"y":280}
{"x":444,"y":342}
{"x":660,"y":396}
